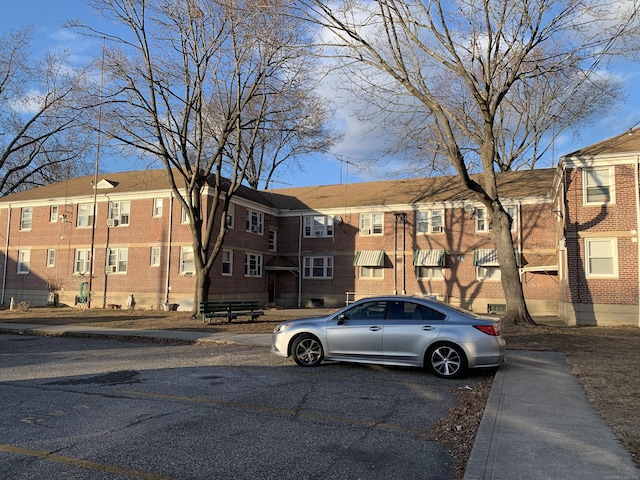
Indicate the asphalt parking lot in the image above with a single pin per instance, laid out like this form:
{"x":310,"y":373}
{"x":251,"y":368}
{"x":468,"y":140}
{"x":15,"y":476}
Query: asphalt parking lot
{"x":86,"y":408}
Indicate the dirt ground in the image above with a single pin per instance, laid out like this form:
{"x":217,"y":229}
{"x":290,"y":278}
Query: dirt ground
{"x":604,"y":360}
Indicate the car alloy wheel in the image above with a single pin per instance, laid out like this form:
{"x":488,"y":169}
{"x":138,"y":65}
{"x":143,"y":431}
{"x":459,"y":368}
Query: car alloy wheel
{"x":307,"y":351}
{"x":446,"y":361}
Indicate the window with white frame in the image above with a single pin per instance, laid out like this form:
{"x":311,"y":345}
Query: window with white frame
{"x":371,"y":224}
{"x":273,"y":240}
{"x":252,"y":265}
{"x":117,"y":260}
{"x":227,"y":262}
{"x":371,"y":272}
{"x":51,"y":257}
{"x":82,"y":261}
{"x":598,"y":185}
{"x":157,"y":207}
{"x":430,"y":221}
{"x":231,"y":216}
{"x":85,"y":215}
{"x":430,"y":273}
{"x":155,"y":256}
{"x":119,"y":213}
{"x":187,"y":260}
{"x":53,"y":213}
{"x":184,"y":216}
{"x":24,"y":257}
{"x":488,"y":273}
{"x":26,"y":218}
{"x":601,"y":257}
{"x":255,"y":222}
{"x":318,"y":267}
{"x":483,"y":224}
{"x":318,"y":226}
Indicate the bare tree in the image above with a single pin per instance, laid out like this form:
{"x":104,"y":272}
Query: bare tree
{"x":486,"y":79}
{"x":195,"y":84}
{"x":42,"y":134}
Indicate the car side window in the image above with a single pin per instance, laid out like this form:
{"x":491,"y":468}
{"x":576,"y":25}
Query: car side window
{"x":418,"y":312}
{"x":367,"y":310}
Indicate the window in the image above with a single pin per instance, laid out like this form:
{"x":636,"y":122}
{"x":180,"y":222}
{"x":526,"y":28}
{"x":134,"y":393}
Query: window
{"x":482,"y":222}
{"x":155,"y":256}
{"x":255,"y":221}
{"x":26,"y":218}
{"x":24,"y":257}
{"x":252,"y":265}
{"x":51,"y":257}
{"x":82,"y":260}
{"x":231,"y":216}
{"x":318,"y":267}
{"x":598,"y":185}
{"x":227,"y":262}
{"x":512,"y":210}
{"x":157,"y":207}
{"x":119,"y":213}
{"x":601,"y":257}
{"x":184,"y":216}
{"x":371,"y":223}
{"x":429,"y":273}
{"x":273,"y":240}
{"x":488,"y":273}
{"x":117,"y":259}
{"x":187,"y":262}
{"x":85,"y":215}
{"x":318,"y":226}
{"x":53,"y":213}
{"x":430,"y":221}
{"x":371,"y":272}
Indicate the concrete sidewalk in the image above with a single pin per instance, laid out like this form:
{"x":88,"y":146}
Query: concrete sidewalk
{"x":538,"y":423}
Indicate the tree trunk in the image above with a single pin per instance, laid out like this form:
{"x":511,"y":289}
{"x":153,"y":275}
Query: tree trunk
{"x":517,"y":312}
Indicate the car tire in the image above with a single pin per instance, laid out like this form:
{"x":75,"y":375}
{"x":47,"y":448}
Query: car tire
{"x":446,"y":360}
{"x":307,"y":351}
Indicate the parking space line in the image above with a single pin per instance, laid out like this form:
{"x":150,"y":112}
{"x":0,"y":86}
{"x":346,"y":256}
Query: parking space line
{"x":78,"y":462}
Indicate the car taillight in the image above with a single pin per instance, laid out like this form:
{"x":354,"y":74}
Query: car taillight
{"x":488,"y":329}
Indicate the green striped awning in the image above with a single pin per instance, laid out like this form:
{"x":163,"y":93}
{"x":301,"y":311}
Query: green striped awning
{"x":369,"y":258}
{"x":485,"y":257}
{"x":429,"y":258}
{"x":488,"y":257}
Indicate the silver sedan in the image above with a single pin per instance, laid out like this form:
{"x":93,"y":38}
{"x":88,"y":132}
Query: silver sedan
{"x":395,"y":330}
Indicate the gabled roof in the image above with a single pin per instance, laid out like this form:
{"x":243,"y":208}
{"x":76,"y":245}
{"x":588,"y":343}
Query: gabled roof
{"x":520,"y":184}
{"x":628,"y":141}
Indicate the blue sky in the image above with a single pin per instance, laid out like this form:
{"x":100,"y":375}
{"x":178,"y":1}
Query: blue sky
{"x":47,"y":17}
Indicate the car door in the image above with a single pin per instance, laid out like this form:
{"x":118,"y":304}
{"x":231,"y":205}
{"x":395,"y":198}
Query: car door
{"x":357,"y":332}
{"x":408,"y":328}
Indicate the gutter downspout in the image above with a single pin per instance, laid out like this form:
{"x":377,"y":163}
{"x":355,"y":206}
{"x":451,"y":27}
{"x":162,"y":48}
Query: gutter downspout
{"x":167,"y":285}
{"x":395,"y":255}
{"x":300,"y":266}
{"x":636,"y":171}
{"x":6,"y":255}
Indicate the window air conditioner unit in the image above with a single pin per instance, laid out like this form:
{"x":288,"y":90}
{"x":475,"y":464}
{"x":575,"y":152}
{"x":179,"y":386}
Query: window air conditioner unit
{"x":112,"y":268}
{"x":436,"y":230}
{"x":112,"y":222}
{"x":318,"y":233}
{"x":253,"y":272}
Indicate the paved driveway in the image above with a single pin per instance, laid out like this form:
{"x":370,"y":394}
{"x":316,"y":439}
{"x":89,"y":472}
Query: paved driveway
{"x":94,"y":409}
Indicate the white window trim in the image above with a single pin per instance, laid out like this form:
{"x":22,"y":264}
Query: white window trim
{"x":370,"y":232}
{"x":256,"y":226}
{"x":614,"y":252}
{"x":51,"y":257}
{"x":88,"y":217}
{"x":273,"y":245}
{"x":26,"y":223}
{"x":155,"y":254}
{"x":121,"y":256}
{"x":487,"y":222}
{"x":366,"y":273}
{"x":481,"y":276}
{"x":119,"y":213}
{"x":612,"y":184}
{"x":256,"y":272}
{"x":327,"y":264}
{"x":229,"y":261}
{"x":86,"y":262}
{"x":431,"y":275}
{"x":429,"y":228}
{"x":231,"y":216}
{"x":24,"y":259}
{"x":158,"y":205}
{"x":187,"y":249}
{"x":318,"y":226}
{"x":53,"y":213}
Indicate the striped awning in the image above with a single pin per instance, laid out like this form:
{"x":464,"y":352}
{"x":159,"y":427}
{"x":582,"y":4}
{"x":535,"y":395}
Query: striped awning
{"x":428,"y":258}
{"x":485,"y":257}
{"x":488,"y":257}
{"x":369,"y":258}
{"x":543,"y":263}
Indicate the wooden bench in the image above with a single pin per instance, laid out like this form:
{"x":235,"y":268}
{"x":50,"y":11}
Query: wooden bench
{"x":229,"y":310}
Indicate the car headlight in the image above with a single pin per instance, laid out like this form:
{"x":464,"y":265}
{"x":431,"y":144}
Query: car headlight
{"x":281,"y":327}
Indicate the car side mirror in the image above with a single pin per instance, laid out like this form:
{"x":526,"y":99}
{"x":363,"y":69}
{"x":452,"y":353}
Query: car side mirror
{"x":342,"y":318}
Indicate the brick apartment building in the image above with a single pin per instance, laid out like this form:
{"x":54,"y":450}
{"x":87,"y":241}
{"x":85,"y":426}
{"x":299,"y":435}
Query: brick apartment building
{"x":574,"y":233}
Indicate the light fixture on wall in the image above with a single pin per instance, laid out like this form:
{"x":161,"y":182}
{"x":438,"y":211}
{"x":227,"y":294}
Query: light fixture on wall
{"x":469,"y":209}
